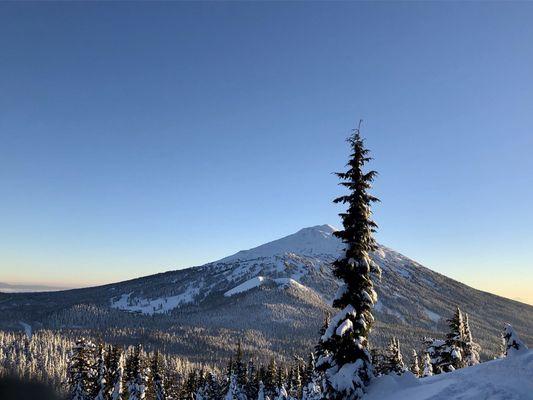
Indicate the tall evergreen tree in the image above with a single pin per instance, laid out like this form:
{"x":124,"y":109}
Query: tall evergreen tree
{"x":347,"y":362}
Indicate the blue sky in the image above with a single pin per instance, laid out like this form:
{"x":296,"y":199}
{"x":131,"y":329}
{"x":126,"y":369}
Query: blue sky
{"x":141,"y":137}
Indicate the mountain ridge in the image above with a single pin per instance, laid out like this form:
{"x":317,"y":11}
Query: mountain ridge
{"x":273,"y":296}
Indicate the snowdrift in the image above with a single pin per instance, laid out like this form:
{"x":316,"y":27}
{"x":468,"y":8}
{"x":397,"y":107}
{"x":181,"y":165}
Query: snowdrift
{"x":509,"y":378}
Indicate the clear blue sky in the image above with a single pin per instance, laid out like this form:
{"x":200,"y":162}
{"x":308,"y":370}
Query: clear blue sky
{"x":141,"y":137}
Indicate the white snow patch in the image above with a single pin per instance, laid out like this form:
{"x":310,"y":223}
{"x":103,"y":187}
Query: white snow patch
{"x":382,"y":308}
{"x":286,"y":282}
{"x":245,"y":286}
{"x":154,"y":306}
{"x":432,"y":315}
{"x":261,"y":280}
{"x":346,"y":326}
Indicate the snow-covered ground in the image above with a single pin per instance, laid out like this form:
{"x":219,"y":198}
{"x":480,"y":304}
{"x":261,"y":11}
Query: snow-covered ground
{"x":509,"y":378}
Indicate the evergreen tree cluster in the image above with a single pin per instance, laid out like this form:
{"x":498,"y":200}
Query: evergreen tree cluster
{"x":457,"y":350}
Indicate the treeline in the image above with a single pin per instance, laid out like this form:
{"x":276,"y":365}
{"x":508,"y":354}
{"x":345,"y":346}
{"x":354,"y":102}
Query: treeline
{"x":99,"y":372}
{"x":456,"y":350}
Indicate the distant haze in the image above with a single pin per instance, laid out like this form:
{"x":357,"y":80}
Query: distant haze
{"x":16,"y":288}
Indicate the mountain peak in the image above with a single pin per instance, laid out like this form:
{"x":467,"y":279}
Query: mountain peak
{"x":309,"y":241}
{"x":319,"y":228}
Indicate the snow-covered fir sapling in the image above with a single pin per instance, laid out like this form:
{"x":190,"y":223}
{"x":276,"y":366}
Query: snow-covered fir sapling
{"x":394,"y":361}
{"x":428,"y":367}
{"x":472,"y":349}
{"x":415,"y":364}
{"x":346,"y":361}
{"x":513,"y":344}
{"x":435,"y":349}
{"x":453,"y":353}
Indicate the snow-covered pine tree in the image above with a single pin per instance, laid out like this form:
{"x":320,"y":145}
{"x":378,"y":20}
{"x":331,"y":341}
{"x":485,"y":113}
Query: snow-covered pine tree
{"x":81,"y":371}
{"x":251,"y":386}
{"x":137,"y":378}
{"x":513,"y":344}
{"x":101,"y":372}
{"x":157,"y":377}
{"x":472,"y":349}
{"x":379,"y":362}
{"x":117,"y":362}
{"x":347,"y":362}
{"x":394,"y":362}
{"x":239,"y":367}
{"x":282,"y":393}
{"x":428,"y":367}
{"x":109,"y":366}
{"x":211,"y":388}
{"x":415,"y":364}
{"x":295,"y":383}
{"x":235,"y":391}
{"x":270,"y":379}
{"x":453,"y":353}
{"x":281,"y":380}
{"x":312,"y":381}
{"x":435,"y":349}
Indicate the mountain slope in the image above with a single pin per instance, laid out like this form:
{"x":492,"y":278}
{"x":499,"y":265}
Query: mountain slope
{"x":273,"y":296}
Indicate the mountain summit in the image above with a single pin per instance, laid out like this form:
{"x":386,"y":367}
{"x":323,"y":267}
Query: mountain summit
{"x":310,"y":241}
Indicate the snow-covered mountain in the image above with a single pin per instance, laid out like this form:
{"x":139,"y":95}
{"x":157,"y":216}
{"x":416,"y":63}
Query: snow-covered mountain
{"x":273,"y":297}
